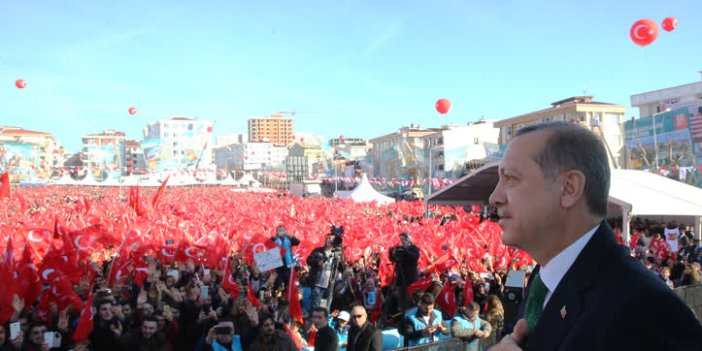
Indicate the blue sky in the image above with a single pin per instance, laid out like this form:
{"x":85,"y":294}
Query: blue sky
{"x":359,"y":68}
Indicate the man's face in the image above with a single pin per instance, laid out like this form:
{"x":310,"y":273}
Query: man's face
{"x":127,"y":310}
{"x":36,"y":335}
{"x":404,"y":240}
{"x":426,"y":309}
{"x":268,"y":327}
{"x":281,"y":232}
{"x":148,"y":329}
{"x":105,"y":312}
{"x":319,"y":320}
{"x":148,"y":309}
{"x":526,"y":202}
{"x":358,"y":317}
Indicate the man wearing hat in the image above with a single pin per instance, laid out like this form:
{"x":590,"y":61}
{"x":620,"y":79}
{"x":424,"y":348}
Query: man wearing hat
{"x":405,"y":256}
{"x":341,"y":326}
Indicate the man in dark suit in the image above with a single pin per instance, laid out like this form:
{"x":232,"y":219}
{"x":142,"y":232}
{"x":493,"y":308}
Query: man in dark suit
{"x":587,"y":292}
{"x":363,"y":336}
{"x":326,"y":339}
{"x":405,"y":256}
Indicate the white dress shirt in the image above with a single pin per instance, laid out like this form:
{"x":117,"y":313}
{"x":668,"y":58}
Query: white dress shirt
{"x":552,"y":273}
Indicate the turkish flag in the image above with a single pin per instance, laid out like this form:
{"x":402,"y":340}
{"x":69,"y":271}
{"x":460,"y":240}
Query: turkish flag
{"x":4,"y":185}
{"x":447,"y":299}
{"x":443,"y":264}
{"x":61,"y":292}
{"x":634,"y":239}
{"x":252,"y":297}
{"x":422,"y":284}
{"x":294,"y":298}
{"x":7,"y":268}
{"x":85,"y":321}
{"x":228,"y":282}
{"x":257,"y":244}
{"x":186,"y":251}
{"x":29,"y":282}
{"x":135,"y":202}
{"x":160,"y":191}
{"x":385,"y":272}
{"x":468,"y":294}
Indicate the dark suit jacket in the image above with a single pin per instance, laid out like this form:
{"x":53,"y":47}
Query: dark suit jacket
{"x":365,"y":338}
{"x":406,"y":264}
{"x":609,"y":301}
{"x":326,"y":340}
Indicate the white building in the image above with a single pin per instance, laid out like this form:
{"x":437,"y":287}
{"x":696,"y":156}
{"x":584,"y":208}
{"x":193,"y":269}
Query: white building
{"x":177,"y":143}
{"x":651,"y":102}
{"x":251,"y":156}
{"x":453,"y":147}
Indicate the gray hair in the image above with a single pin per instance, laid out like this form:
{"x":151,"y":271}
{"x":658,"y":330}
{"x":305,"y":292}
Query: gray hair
{"x":570,"y":147}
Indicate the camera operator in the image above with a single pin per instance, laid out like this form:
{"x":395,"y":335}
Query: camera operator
{"x":322,"y":262}
{"x":405,"y":257}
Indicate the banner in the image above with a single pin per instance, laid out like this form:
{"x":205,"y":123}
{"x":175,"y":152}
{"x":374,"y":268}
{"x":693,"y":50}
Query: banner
{"x":268,"y":260}
{"x":19,"y":158}
{"x":673,"y":135}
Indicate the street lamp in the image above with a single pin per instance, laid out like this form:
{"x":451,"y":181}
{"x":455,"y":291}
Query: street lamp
{"x":432,"y":148}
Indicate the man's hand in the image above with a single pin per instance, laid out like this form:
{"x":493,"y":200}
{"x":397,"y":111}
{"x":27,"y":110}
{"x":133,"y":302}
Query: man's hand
{"x":62,"y":324}
{"x":17,"y":303}
{"x":142,"y":298}
{"x":17,"y":342}
{"x":513,"y":341}
{"x":116,"y":328}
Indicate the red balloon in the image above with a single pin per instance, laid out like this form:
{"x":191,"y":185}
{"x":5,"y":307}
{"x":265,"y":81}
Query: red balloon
{"x":132,"y":110}
{"x":670,"y":23}
{"x":209,"y":129}
{"x":302,"y":139}
{"x":20,"y":83}
{"x":443,"y":105}
{"x":342,"y":138}
{"x":644,"y":32}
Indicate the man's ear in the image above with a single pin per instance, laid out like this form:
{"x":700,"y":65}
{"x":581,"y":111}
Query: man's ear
{"x":573,"y":188}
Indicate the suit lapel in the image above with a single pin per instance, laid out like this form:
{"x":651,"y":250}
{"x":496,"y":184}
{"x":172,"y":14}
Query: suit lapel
{"x":566,"y":303}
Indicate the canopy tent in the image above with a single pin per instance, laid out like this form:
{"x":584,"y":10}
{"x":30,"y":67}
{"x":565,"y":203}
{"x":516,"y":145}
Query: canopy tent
{"x":364,"y":192}
{"x":631,"y":193}
{"x":248,"y":180}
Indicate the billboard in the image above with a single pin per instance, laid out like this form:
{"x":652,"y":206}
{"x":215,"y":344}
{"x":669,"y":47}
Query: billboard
{"x":674,"y":136}
{"x":671,"y":140}
{"x":20,"y":158}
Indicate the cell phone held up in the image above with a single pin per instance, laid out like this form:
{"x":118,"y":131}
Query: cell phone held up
{"x":222,"y":330}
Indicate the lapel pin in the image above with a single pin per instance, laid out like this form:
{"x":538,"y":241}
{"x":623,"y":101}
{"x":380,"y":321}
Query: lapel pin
{"x":563,"y":312}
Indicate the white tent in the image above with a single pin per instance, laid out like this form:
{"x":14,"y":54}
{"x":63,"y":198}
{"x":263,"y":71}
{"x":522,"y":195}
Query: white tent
{"x":364,"y":192}
{"x":645,"y":194}
{"x":248,"y":180}
{"x":631,"y":193}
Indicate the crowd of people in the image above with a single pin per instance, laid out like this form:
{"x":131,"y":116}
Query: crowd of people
{"x":185,"y":306}
{"x":328,"y":297}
